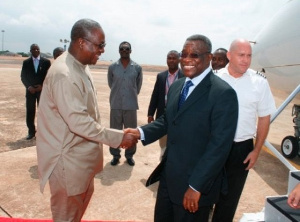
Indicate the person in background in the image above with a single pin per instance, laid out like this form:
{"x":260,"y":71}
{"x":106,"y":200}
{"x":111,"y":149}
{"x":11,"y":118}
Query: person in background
{"x":57,"y":52}
{"x":294,"y":197}
{"x":219,"y":59}
{"x":159,"y":95}
{"x":70,"y":136}
{"x":33,"y":73}
{"x":125,"y":81}
{"x":256,"y":104}
{"x":200,"y":121}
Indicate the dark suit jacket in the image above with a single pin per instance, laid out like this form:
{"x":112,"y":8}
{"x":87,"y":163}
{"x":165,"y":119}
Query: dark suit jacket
{"x":200,"y":136}
{"x":157,"y":102}
{"x":28,"y":75}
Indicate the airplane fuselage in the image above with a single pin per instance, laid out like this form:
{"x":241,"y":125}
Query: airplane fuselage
{"x":276,"y":49}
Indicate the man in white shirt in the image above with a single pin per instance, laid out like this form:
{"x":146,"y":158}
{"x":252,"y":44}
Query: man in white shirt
{"x":256,"y":104}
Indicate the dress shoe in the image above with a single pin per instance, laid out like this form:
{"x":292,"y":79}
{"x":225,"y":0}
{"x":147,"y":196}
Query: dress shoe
{"x":29,"y":137}
{"x":114,"y":161}
{"x":130,"y":161}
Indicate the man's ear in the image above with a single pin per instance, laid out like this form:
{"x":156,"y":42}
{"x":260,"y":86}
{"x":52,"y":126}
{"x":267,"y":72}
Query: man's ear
{"x":228,"y":55}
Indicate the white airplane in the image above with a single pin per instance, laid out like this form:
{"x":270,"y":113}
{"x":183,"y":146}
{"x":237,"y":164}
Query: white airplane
{"x":276,"y":53}
{"x":276,"y":49}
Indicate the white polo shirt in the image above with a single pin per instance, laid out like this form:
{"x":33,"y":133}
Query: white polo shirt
{"x":255,"y":100}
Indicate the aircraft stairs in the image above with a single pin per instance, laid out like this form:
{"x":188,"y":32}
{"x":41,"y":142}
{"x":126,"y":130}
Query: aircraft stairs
{"x":276,"y":207}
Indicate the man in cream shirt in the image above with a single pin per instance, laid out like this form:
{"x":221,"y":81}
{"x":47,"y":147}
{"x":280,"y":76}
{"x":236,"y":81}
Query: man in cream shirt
{"x":70,"y":136}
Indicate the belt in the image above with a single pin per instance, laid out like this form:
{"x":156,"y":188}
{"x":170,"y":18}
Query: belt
{"x":241,"y":142}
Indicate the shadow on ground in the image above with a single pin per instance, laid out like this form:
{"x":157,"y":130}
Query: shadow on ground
{"x":33,"y":170}
{"x":111,"y":174}
{"x":21,"y":143}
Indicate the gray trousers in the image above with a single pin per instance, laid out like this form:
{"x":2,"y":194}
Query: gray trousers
{"x":121,"y":119}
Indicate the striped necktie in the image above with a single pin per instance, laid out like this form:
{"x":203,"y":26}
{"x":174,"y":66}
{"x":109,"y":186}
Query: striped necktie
{"x":184,"y":93}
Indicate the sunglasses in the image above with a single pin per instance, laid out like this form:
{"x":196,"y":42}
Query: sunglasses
{"x":192,"y":55}
{"x":124,"y":49}
{"x":100,"y":46}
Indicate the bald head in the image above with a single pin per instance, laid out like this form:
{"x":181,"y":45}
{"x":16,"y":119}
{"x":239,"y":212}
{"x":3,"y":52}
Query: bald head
{"x":239,"y":56}
{"x":237,"y":43}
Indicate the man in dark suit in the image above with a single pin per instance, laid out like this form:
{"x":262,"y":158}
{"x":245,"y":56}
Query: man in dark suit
{"x":200,"y":133}
{"x":33,"y":73}
{"x":159,"y":95}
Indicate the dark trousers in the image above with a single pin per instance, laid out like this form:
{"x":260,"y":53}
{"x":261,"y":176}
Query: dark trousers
{"x":32,"y":100}
{"x":122,"y":119}
{"x":236,"y":175}
{"x":167,"y":211}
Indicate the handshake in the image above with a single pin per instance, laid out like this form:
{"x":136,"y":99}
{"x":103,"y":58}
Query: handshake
{"x":130,"y":138}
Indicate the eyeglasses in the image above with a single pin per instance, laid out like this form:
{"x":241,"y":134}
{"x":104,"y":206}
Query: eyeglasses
{"x":192,"y":55}
{"x":100,"y":46}
{"x":124,"y":49}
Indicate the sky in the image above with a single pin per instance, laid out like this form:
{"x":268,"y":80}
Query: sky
{"x":153,"y":27}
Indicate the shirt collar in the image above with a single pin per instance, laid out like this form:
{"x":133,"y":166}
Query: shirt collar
{"x":120,"y":63}
{"x":225,"y":70}
{"x":38,"y":58}
{"x":169,"y":74}
{"x":196,"y":80}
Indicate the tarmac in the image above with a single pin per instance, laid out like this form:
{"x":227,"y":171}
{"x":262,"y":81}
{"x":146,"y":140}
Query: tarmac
{"x":120,"y":193}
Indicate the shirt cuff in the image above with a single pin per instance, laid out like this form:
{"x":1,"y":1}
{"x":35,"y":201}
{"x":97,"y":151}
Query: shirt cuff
{"x":141,"y":133}
{"x":193,"y":189}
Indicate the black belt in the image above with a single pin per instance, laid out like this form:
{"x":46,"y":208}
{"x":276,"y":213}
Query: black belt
{"x":241,"y":142}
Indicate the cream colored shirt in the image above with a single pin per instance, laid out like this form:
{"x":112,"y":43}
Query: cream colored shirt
{"x":68,"y":125}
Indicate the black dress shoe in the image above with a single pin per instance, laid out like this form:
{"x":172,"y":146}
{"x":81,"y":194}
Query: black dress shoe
{"x":29,"y":137}
{"x":130,"y":161}
{"x":114,"y":161}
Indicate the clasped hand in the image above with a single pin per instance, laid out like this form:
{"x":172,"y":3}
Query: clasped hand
{"x":35,"y":88}
{"x":130,"y":138}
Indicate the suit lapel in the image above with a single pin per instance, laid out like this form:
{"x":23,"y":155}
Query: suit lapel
{"x":32,"y":64}
{"x":164,"y":79}
{"x":177,"y":92}
{"x":180,"y":74}
{"x":40,"y":64}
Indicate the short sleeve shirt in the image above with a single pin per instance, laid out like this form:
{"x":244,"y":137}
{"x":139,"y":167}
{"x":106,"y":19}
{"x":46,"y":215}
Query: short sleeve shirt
{"x":255,"y":100}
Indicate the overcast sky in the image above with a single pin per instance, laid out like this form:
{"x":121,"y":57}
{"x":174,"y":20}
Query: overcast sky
{"x":153,"y":27}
